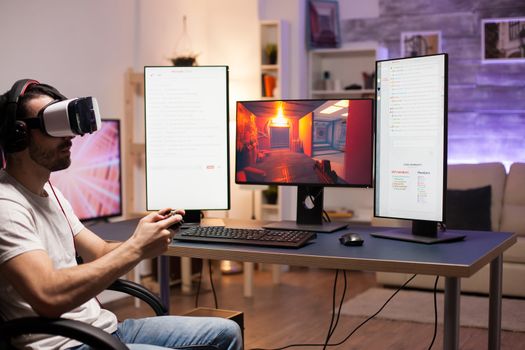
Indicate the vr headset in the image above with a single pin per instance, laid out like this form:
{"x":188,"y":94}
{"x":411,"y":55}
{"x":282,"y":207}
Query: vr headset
{"x":60,"y":118}
{"x":76,"y":116}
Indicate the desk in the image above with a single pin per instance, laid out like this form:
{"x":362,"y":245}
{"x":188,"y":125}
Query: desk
{"x":453,"y":261}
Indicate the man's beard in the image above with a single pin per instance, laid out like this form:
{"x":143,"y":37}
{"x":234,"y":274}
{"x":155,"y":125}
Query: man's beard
{"x":51,"y":159}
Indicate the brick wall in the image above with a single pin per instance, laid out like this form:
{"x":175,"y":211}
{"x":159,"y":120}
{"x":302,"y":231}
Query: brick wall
{"x":486,"y":101}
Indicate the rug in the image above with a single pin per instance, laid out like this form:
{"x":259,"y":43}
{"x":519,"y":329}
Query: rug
{"x":418,"y":306}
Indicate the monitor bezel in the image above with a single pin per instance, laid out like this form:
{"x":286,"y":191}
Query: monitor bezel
{"x":268,"y":183}
{"x":445,"y":139}
{"x":228,"y":175}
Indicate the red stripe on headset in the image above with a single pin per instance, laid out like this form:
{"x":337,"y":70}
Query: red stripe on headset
{"x":28,"y":83}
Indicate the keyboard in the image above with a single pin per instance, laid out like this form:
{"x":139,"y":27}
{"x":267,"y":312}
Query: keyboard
{"x":251,"y":236}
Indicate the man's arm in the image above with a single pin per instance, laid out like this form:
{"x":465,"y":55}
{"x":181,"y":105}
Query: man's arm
{"x":91,"y":247}
{"x":52,"y":292}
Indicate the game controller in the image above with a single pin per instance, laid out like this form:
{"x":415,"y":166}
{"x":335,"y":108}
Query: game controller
{"x":176,"y":225}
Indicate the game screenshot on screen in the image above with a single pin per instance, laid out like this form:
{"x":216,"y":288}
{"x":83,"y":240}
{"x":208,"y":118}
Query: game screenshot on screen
{"x":92,"y":184}
{"x":316,"y":142}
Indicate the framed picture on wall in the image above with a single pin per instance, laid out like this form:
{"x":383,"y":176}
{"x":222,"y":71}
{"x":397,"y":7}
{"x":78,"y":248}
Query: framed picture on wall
{"x":420,"y":43}
{"x":503,"y":40}
{"x":323,"y":24}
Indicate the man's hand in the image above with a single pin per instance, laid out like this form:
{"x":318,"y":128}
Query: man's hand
{"x":152,"y":236}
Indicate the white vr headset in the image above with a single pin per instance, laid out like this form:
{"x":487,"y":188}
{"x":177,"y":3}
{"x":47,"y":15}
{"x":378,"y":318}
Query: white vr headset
{"x":76,"y":116}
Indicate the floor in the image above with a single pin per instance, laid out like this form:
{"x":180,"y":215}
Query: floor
{"x":298,"y":311}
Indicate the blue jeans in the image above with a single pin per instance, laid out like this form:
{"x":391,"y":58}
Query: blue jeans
{"x":178,"y":332}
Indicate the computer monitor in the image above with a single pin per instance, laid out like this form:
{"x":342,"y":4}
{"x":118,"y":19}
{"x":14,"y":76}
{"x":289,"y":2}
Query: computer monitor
{"x":92,"y":183}
{"x":411,"y":145}
{"x":310,"y":144}
{"x":186,"y":123}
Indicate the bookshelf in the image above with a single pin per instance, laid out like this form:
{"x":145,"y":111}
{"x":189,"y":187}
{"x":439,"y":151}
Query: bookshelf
{"x":274,"y":57}
{"x":275,"y":84}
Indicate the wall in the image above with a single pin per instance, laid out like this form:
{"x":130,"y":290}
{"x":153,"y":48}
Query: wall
{"x":75,"y":46}
{"x":486,"y":101}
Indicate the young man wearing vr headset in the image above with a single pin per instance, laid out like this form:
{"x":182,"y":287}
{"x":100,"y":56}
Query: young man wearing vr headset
{"x":40,"y":235}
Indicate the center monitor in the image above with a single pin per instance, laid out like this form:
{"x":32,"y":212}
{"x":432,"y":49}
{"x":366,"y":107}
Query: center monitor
{"x":310,"y":144}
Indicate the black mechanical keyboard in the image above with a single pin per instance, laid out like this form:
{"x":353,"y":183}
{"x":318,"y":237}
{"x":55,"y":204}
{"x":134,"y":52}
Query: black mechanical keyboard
{"x":221,"y":234}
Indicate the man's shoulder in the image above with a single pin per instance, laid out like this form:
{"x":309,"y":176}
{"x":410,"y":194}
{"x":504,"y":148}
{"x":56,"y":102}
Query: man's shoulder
{"x":10,"y":193}
{"x":7,"y":185}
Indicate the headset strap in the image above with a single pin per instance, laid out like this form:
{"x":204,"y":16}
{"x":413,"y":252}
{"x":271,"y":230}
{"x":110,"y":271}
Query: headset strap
{"x":19,"y":88}
{"x":34,"y":123}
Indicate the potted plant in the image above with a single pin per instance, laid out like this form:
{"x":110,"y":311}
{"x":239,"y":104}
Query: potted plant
{"x":270,"y":194}
{"x":271,"y":53}
{"x":184,"y":60}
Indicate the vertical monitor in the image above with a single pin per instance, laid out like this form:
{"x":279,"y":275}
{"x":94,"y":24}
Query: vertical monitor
{"x":306,"y":143}
{"x":411,"y":142}
{"x":186,"y":123}
{"x":92,"y":183}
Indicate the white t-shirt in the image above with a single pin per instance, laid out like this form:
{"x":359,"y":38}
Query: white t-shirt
{"x":31,"y":222}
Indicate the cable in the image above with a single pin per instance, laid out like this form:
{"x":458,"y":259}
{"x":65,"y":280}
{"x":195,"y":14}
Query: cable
{"x":377,"y":312}
{"x":198,"y":287}
{"x":212,"y":286}
{"x":211,"y":283}
{"x":340,"y":303}
{"x":435,"y":314}
{"x":354,"y":330}
{"x":331,"y":329}
{"x":334,"y":290}
{"x":326,"y":216}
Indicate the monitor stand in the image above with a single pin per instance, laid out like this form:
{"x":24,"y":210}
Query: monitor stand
{"x":192,"y":218}
{"x":309,"y":213}
{"x":422,"y":232}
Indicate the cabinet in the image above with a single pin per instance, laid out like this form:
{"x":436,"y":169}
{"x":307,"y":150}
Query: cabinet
{"x":275,"y":57}
{"x":344,"y":72}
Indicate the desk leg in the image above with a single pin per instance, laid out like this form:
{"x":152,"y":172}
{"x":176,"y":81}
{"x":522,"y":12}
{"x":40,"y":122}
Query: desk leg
{"x":496,"y":272}
{"x":163,"y":267}
{"x":185,"y":273}
{"x":248,"y":279}
{"x":451,"y":315}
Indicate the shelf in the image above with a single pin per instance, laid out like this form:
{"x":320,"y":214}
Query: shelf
{"x":353,"y":64}
{"x":269,"y":67}
{"x":343,"y":92}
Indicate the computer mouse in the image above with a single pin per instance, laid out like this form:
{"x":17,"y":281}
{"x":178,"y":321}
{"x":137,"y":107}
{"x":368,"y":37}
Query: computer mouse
{"x":351,"y":239}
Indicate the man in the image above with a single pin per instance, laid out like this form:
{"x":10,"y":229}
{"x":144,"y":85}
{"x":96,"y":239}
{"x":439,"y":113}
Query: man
{"x":40,"y":236}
